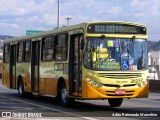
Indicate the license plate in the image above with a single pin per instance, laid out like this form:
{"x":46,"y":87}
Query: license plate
{"x":120,"y":91}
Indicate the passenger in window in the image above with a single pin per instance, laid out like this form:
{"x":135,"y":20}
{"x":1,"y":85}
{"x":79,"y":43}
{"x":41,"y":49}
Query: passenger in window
{"x":20,"y":57}
{"x":50,"y":53}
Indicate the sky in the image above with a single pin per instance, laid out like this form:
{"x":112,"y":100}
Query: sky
{"x":17,"y":16}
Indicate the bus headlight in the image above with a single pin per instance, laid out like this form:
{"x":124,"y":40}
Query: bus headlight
{"x":94,"y":83}
{"x":143,"y":82}
{"x":88,"y":80}
{"x":139,"y":85}
{"x":99,"y":85}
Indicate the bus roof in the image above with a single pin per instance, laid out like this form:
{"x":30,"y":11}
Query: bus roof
{"x":66,"y":28}
{"x":57,"y":30}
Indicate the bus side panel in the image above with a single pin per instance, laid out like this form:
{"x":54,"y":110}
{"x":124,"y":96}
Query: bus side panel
{"x":23,"y":70}
{"x":42,"y":84}
{"x":5,"y":75}
{"x":27,"y":72}
{"x":50,"y":86}
{"x":48,"y":79}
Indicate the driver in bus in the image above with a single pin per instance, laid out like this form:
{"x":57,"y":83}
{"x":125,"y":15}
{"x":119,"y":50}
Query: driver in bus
{"x":100,"y":54}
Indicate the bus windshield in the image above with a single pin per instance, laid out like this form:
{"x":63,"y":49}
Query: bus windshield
{"x":115,"y":54}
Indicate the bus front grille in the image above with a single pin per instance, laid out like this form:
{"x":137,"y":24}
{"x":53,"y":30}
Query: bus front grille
{"x":113,"y":85}
{"x":120,"y":75}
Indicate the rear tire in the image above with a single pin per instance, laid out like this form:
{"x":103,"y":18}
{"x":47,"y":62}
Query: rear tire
{"x":21,"y":92}
{"x":115,"y":102}
{"x":65,"y":100}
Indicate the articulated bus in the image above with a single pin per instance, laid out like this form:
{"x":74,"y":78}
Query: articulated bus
{"x":88,"y":61}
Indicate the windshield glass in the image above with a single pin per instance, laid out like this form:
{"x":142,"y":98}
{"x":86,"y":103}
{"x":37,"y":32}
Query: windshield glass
{"x":115,"y":54}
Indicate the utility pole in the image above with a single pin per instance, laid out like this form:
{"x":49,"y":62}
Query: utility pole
{"x":58,"y":16}
{"x":68,"y":19}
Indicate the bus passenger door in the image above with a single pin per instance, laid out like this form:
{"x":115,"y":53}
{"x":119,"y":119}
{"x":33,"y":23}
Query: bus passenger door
{"x":13,"y":67}
{"x":75,"y":72}
{"x":35,"y":66}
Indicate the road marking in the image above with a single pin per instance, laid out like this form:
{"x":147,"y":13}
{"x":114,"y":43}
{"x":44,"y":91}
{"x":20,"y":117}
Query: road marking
{"x":89,"y":118}
{"x":41,"y":106}
{"x":68,"y":113}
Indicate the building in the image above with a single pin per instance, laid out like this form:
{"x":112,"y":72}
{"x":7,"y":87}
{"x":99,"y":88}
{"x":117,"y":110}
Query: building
{"x":154,"y":60}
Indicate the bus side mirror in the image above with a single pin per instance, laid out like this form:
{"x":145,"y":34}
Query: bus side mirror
{"x":82,"y":44}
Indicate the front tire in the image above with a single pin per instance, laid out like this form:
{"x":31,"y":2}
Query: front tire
{"x":115,"y":102}
{"x":65,"y":101}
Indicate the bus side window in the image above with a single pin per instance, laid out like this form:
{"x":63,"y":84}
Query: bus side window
{"x":20,"y":52}
{"x":6,"y":53}
{"x":61,"y":47}
{"x":27,"y":53}
{"x":47,"y":48}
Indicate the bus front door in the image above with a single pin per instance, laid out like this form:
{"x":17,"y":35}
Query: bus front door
{"x":35,"y":66}
{"x":75,"y":72}
{"x":13,"y":67}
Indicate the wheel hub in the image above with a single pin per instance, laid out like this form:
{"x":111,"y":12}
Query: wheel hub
{"x":64,"y":95}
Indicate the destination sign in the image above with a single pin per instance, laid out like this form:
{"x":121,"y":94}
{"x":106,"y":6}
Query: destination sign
{"x":116,"y":28}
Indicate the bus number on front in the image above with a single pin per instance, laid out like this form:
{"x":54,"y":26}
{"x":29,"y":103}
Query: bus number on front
{"x":137,"y":80}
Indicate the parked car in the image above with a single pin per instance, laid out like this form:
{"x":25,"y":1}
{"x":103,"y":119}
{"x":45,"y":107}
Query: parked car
{"x":153,"y":75}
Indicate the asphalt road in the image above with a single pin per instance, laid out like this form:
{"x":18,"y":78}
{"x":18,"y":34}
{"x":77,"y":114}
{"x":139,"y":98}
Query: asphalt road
{"x":13,"y":107}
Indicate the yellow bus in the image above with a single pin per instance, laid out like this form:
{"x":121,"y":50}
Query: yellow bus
{"x":97,"y":60}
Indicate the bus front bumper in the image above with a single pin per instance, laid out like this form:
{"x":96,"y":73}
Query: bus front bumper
{"x":93,"y":92}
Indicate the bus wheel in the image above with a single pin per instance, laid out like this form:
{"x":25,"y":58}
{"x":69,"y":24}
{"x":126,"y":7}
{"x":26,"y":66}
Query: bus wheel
{"x":21,"y":92}
{"x":65,"y":101}
{"x":115,"y":102}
